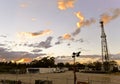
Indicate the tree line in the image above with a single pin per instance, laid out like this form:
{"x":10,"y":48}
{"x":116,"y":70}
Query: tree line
{"x":50,"y":62}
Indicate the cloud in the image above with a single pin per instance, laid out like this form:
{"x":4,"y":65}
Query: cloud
{"x":66,"y":36}
{"x":105,"y":17}
{"x":81,"y":59}
{"x":80,"y":40}
{"x":3,"y":36}
{"x":25,"y":57}
{"x":89,"y":22}
{"x":82,"y":21}
{"x":108,"y":16}
{"x":6,"y":55}
{"x":41,"y":33}
{"x":69,"y":37}
{"x":34,"y":34}
{"x":79,"y":15}
{"x":36,"y":50}
{"x":86,"y":58}
{"x":23,"y":60}
{"x":58,"y":42}
{"x":76,"y":32}
{"x":85,"y":23}
{"x":2,"y":44}
{"x":64,"y":4}
{"x":43,"y":44}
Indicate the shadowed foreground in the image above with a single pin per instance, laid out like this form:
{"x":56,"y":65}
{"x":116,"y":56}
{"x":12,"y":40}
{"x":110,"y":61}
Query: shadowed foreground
{"x":63,"y":78}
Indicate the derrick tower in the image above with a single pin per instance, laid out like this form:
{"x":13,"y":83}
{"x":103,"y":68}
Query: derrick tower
{"x":105,"y":56}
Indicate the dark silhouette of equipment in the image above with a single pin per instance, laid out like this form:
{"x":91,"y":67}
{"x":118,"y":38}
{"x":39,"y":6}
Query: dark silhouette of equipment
{"x":74,"y":68}
{"x":105,"y":55}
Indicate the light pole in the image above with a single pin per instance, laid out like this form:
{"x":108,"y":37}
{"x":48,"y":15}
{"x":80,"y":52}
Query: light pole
{"x":74,"y":68}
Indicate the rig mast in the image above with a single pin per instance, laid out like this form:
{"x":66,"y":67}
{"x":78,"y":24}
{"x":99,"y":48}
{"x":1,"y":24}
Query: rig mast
{"x":104,"y":48}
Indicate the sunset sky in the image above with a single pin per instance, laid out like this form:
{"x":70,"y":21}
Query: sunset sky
{"x":32,"y":29}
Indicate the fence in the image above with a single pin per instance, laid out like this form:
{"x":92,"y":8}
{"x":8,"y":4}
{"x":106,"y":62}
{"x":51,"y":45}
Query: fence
{"x":46,"y":80}
{"x":10,"y":82}
{"x":58,"y":78}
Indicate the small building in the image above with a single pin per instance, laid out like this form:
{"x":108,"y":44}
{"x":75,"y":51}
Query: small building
{"x":46,"y":70}
{"x":40,"y":70}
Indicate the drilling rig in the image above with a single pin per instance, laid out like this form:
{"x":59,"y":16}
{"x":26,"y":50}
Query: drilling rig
{"x":104,"y":50}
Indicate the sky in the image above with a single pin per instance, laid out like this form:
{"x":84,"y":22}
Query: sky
{"x":31,"y":29}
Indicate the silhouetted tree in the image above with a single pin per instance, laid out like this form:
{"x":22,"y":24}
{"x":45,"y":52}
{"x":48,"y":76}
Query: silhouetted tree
{"x":44,"y":62}
{"x":67,"y":64}
{"x":79,"y":65}
{"x":90,"y":65}
{"x":60,"y":65}
{"x":106,"y":66}
{"x":52,"y":61}
{"x":97,"y":65}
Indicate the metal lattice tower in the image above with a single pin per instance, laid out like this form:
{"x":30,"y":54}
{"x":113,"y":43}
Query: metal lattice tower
{"x":105,"y":56}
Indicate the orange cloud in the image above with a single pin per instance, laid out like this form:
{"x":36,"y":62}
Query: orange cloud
{"x":42,"y":33}
{"x":107,"y":17}
{"x":79,"y":24}
{"x":64,"y":4}
{"x":79,"y":16}
{"x":66,"y":36}
{"x":24,"y":60}
{"x":34,"y":34}
{"x":81,"y":19}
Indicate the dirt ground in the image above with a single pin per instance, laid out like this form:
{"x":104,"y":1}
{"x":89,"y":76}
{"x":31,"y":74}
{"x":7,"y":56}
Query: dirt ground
{"x":64,"y":78}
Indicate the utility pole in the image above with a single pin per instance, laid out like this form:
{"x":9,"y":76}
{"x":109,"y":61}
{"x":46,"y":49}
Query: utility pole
{"x":74,"y":67}
{"x":104,"y":48}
